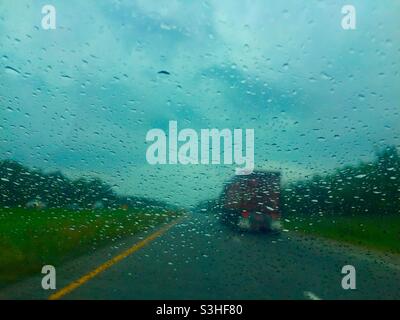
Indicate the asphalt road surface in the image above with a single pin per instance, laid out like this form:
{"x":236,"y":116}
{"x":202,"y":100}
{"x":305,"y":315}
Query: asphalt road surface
{"x":200,"y":259}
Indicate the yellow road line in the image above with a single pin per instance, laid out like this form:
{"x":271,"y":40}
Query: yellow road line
{"x":76,"y":284}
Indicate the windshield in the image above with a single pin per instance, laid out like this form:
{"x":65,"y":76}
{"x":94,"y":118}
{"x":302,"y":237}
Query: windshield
{"x":210,"y":149}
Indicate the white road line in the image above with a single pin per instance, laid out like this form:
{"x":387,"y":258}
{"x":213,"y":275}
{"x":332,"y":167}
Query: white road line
{"x":311,"y":296}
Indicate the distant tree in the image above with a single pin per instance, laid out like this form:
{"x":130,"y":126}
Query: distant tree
{"x":366,"y":188}
{"x":21,"y":186}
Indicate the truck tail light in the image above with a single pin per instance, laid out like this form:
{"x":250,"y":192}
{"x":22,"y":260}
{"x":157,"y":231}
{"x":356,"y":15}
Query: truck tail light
{"x":275,"y":216}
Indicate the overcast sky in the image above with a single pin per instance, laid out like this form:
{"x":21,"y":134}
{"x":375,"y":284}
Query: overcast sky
{"x":81,"y":98}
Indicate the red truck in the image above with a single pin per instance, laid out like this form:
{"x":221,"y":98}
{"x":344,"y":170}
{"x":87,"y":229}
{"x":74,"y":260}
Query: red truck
{"x":252,"y":202}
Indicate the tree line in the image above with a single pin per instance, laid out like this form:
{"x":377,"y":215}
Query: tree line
{"x":367,"y":188}
{"x":21,"y":186}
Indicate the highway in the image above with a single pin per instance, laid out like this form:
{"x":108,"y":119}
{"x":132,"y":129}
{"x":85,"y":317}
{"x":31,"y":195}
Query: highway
{"x":198,"y":258}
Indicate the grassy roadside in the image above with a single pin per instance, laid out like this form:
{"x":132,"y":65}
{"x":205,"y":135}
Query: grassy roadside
{"x":380,"y":233}
{"x":30,"y":239}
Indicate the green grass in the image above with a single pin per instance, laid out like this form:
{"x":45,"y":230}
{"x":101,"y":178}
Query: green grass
{"x":374,"y":232}
{"x":30,"y":239}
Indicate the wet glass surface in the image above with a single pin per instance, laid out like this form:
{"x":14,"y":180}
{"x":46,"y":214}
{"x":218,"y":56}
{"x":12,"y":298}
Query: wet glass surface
{"x":246,"y":150}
